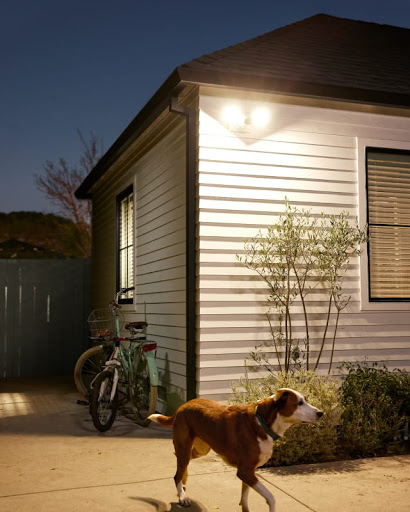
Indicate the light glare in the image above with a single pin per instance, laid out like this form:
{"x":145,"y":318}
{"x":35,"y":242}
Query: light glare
{"x":234,"y":116}
{"x":260,"y":117}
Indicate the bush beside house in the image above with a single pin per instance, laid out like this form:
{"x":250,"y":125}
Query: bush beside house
{"x":367,"y":415}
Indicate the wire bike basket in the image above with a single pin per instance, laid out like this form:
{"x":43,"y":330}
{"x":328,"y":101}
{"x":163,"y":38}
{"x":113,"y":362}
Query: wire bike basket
{"x":101,"y":323}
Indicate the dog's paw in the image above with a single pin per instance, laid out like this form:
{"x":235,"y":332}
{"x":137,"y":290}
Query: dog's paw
{"x":184,"y":502}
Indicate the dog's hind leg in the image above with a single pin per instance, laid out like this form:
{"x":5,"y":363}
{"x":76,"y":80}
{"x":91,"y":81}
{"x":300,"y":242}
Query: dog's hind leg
{"x":183,"y":454}
{"x":186,"y":450}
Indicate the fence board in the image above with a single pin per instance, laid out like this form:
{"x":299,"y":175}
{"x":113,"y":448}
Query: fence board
{"x":43,"y":310}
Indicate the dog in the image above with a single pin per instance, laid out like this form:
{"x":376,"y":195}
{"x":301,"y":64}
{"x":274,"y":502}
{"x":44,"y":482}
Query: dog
{"x":242,"y":435}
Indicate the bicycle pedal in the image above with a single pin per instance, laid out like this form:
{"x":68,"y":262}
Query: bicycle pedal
{"x":83,"y":402}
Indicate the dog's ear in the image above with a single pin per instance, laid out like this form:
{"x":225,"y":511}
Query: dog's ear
{"x":281,"y":396}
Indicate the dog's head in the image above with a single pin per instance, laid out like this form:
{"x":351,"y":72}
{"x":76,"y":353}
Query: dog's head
{"x":285,"y":408}
{"x":293,"y":408}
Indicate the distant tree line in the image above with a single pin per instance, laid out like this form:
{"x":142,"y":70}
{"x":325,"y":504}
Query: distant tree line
{"x":34,"y":235}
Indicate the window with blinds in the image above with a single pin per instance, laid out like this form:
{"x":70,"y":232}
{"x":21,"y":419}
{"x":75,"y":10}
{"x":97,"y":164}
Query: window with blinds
{"x":125,"y":272}
{"x":388,"y":206}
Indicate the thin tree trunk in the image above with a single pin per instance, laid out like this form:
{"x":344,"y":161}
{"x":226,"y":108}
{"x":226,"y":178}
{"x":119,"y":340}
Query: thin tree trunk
{"x":324,"y":334}
{"x":274,"y":342}
{"x":334,"y":340}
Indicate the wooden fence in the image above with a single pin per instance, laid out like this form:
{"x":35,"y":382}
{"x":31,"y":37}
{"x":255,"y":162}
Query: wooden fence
{"x":44,"y":306}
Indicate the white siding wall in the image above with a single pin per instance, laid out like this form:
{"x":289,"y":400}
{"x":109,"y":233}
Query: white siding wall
{"x":160,"y":252}
{"x":158,"y":176}
{"x":310,"y":156}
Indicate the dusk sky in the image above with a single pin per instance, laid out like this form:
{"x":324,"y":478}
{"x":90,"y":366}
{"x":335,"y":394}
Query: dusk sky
{"x":92,"y":65}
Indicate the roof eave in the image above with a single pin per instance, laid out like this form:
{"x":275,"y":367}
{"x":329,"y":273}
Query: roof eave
{"x":141,"y":122}
{"x":295,"y":88}
{"x":161,"y":99}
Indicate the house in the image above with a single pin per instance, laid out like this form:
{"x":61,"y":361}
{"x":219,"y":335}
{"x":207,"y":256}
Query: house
{"x":317,"y":111}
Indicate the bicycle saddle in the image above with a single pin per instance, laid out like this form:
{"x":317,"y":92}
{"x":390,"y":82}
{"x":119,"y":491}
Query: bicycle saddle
{"x":135,"y":325}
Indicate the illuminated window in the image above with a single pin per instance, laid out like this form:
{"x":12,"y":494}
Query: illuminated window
{"x":388,"y":206}
{"x":125,"y":255}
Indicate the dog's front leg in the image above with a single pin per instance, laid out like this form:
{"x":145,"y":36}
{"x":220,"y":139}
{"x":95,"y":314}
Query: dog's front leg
{"x":244,"y":497}
{"x":250,"y":480}
{"x":270,"y":500}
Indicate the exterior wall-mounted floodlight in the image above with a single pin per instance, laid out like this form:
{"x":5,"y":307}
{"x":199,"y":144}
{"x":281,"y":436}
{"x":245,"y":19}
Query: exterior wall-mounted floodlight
{"x":236,"y":118}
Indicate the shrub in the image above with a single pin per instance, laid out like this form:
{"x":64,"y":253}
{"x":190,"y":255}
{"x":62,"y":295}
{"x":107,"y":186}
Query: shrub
{"x":301,"y":443}
{"x":376,"y":408}
{"x":294,"y":257}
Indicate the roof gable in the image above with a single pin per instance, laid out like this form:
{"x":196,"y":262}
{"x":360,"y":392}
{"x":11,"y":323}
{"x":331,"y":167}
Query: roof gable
{"x":322,"y":56}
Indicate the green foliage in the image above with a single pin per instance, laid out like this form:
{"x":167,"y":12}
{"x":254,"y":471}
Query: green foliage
{"x":301,"y":443}
{"x":367,"y":415}
{"x":294,"y":256}
{"x":376,"y":407}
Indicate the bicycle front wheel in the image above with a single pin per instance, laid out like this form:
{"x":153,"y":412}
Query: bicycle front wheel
{"x":103,"y":409}
{"x":88,"y":366}
{"x":143,"y":395}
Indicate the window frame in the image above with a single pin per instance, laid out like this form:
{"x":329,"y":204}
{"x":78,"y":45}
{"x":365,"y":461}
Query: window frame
{"x":386,"y":151}
{"x":368,"y":303}
{"x":119,"y":198}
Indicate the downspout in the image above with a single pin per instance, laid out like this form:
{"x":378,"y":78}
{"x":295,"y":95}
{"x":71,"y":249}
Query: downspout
{"x":191,"y":157}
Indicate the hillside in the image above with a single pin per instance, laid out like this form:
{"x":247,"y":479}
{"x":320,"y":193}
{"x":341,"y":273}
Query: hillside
{"x":34,"y":235}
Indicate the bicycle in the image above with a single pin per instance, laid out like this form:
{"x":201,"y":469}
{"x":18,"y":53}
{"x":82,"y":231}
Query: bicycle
{"x":118,"y":370}
{"x":91,"y":362}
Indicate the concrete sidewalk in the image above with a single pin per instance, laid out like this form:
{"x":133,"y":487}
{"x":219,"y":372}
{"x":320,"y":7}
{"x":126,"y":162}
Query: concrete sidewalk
{"x":52,"y":459}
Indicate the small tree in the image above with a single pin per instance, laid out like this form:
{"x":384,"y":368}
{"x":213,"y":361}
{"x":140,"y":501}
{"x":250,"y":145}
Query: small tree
{"x":294,"y":256}
{"x":338,"y":242}
{"x":59,"y":183}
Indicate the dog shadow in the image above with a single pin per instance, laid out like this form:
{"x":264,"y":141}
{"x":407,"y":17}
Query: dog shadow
{"x":160,"y":506}
{"x":335,"y":467}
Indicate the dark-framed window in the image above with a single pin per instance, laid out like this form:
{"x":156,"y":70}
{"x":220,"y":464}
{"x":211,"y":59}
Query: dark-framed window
{"x":125,"y":243}
{"x":388,"y":217}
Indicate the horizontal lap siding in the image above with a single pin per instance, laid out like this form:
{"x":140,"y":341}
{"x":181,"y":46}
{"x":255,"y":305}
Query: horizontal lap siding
{"x":308,"y":155}
{"x":160,"y":256}
{"x":158,"y":177}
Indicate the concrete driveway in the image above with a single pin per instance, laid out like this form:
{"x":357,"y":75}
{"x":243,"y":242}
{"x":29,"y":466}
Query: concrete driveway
{"x":53,"y":460}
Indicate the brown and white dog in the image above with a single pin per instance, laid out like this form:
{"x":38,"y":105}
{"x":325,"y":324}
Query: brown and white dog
{"x":243,"y":435}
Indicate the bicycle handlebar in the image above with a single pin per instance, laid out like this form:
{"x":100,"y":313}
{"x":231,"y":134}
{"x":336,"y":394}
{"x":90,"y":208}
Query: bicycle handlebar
{"x":121,"y":292}
{"x":125,"y":290}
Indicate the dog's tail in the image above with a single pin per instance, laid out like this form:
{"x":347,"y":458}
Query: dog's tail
{"x":165,"y":421}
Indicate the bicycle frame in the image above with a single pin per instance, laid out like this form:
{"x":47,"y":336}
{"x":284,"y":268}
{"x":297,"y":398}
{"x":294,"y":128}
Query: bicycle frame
{"x":124,"y":358}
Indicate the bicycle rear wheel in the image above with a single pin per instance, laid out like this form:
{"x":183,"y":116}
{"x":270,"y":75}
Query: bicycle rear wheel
{"x":143,"y":395}
{"x":89,"y":364}
{"x":103,"y":410}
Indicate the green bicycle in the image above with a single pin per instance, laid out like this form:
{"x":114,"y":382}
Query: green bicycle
{"x":119,"y":370}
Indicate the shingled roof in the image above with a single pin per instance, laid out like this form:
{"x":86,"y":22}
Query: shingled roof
{"x":322,"y":56}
